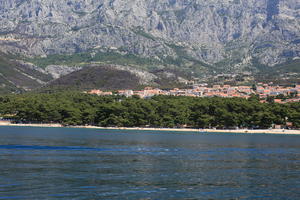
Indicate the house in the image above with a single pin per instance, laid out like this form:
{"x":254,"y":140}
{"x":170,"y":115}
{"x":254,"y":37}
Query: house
{"x":277,"y":126}
{"x":97,"y":92}
{"x":278,"y":101}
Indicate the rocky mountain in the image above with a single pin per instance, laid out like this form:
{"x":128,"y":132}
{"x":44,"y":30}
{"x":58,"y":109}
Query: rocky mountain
{"x":196,"y":37}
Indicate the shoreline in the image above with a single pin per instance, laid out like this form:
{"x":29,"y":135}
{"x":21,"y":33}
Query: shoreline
{"x":245,"y":131}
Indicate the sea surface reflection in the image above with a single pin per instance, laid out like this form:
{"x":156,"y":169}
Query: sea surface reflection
{"x":65,"y":163}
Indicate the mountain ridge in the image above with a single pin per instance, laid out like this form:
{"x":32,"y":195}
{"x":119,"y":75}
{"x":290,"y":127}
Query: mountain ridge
{"x":200,"y":38}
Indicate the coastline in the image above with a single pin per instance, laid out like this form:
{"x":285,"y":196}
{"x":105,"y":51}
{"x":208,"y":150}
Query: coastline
{"x":259,"y":131}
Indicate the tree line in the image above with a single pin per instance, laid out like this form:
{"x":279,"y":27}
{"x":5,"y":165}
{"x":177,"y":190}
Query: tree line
{"x":74,"y":108}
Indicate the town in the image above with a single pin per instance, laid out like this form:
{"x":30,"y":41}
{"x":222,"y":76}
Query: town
{"x":265,"y":92}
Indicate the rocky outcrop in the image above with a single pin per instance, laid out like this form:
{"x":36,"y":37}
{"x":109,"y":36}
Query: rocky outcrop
{"x":58,"y":71}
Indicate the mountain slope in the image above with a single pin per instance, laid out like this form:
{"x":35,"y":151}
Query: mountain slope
{"x":16,"y":76}
{"x":111,"y":77}
{"x":199,"y":37}
{"x":19,"y":76}
{"x":208,"y":29}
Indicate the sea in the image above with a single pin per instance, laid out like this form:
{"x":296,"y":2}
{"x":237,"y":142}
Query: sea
{"x":74,"y":163}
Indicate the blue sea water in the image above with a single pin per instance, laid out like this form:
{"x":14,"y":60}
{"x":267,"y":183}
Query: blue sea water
{"x":66,"y":163}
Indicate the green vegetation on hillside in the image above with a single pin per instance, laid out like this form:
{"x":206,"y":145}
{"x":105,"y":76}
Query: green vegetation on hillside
{"x":15,"y":77}
{"x":285,"y":73}
{"x":187,"y":62}
{"x":5,"y":85}
{"x":102,"y":77}
{"x":141,"y":32}
{"x":182,"y":61}
{"x":160,"y":111}
{"x":109,"y":57}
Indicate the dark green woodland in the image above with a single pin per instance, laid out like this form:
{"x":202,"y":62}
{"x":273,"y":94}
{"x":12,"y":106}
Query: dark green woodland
{"x":73,"y":108}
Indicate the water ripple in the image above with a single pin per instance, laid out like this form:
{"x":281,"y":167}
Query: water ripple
{"x":33,"y":147}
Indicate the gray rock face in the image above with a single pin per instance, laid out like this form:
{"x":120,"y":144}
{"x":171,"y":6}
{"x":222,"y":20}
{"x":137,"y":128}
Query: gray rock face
{"x":212,"y":31}
{"x":56,"y":71}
